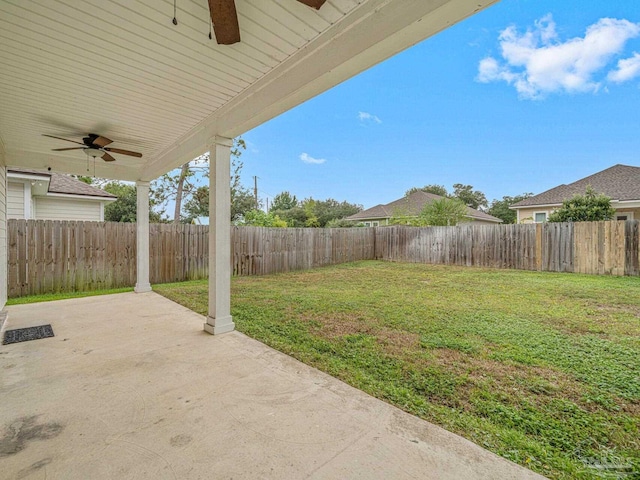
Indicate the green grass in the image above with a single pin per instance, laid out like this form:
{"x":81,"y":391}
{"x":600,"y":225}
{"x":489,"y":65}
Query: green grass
{"x":50,"y":297}
{"x":541,"y":368}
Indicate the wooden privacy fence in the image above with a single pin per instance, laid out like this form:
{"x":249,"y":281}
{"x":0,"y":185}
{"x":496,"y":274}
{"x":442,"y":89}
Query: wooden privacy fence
{"x":62,"y":256}
{"x":55,"y":256}
{"x":602,"y":248}
{"x":260,"y":251}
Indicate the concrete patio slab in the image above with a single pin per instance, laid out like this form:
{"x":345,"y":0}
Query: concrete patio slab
{"x":131,"y":387}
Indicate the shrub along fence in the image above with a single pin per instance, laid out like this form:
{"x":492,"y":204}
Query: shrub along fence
{"x":61,"y":256}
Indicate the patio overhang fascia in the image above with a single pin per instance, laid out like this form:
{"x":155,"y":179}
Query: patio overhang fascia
{"x":375,"y":31}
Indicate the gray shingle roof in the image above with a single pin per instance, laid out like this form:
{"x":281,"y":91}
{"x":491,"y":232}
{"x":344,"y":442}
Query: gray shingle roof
{"x":412,"y":206}
{"x":620,"y":182}
{"x":60,"y":183}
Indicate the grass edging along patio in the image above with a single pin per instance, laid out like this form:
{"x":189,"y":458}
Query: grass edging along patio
{"x":540,"y":368}
{"x":51,"y":297}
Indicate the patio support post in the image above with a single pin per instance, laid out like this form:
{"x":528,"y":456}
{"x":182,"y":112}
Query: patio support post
{"x":219,"y":318}
{"x":142,"y":237}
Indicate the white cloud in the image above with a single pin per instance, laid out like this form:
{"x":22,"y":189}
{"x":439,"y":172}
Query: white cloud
{"x":306,"y":158}
{"x":537,"y":62}
{"x":366,"y":117}
{"x":628,"y":69}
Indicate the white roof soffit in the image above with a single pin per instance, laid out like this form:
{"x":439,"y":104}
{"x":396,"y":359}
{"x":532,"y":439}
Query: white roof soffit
{"x":121,"y":69}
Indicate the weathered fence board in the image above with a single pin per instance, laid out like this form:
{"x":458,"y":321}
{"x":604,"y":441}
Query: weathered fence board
{"x":51,"y":256}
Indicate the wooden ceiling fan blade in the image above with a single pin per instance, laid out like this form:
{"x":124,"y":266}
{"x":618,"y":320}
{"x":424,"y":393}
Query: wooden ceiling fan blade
{"x":65,"y":149}
{"x":225,"y":21}
{"x":108,"y":158}
{"x":313,"y":3}
{"x":60,"y":138}
{"x":101,"y":141}
{"x":123,"y":152}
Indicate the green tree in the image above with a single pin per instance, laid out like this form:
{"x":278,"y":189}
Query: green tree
{"x":295,"y":217}
{"x":469,"y":196}
{"x":501,"y":210}
{"x":330,"y":209}
{"x":197,"y":205}
{"x":343,"y":223}
{"x":590,"y":207}
{"x":311,"y":212}
{"x":84,"y":179}
{"x":181,"y":187}
{"x":435,"y":189}
{"x":444,"y":212}
{"x":284,"y":201}
{"x":258,"y":218}
{"x":401,"y":216}
{"x":242,"y":201}
{"x":124,"y":208}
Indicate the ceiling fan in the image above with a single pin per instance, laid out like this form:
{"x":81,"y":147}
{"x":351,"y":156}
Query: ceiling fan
{"x":95,"y":146}
{"x":225,"y":19}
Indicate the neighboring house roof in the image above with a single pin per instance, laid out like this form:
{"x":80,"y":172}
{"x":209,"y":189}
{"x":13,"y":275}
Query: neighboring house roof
{"x":412,"y":205}
{"x":620,"y":182}
{"x":59,"y":183}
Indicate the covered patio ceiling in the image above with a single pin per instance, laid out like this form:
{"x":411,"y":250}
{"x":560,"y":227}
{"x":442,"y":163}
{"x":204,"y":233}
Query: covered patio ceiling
{"x":123,"y":70}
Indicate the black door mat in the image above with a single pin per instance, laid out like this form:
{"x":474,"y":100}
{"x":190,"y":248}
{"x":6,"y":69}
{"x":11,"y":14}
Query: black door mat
{"x":25,"y":334}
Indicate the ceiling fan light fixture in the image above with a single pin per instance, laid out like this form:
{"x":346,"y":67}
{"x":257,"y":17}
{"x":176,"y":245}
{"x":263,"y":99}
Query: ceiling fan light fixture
{"x":93,"y":152}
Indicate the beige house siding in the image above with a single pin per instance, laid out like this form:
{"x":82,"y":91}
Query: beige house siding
{"x":370,"y":221}
{"x":51,"y":208}
{"x":477,"y":221}
{"x":527,"y":215}
{"x":635,"y":212}
{"x":15,"y":199}
{"x":3,"y":234}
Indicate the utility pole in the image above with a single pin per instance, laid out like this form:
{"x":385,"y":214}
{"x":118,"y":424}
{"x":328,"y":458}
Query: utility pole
{"x":255,"y":190}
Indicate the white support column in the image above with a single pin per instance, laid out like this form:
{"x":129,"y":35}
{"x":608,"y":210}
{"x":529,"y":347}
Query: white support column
{"x":142,"y":237}
{"x":219,"y":318}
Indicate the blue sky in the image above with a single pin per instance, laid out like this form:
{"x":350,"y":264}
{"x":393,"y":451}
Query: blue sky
{"x":524,"y":96}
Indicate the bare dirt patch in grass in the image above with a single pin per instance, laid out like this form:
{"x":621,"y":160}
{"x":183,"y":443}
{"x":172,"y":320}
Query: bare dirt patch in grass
{"x":336,"y":325}
{"x":398,"y":342}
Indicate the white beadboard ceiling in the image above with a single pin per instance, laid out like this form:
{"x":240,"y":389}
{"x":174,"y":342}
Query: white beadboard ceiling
{"x":121,"y":69}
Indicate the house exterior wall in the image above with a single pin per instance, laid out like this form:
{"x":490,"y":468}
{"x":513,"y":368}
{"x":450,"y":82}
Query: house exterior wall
{"x":527,"y":215}
{"x":374,"y":222}
{"x":52,"y":208}
{"x":3,"y":236}
{"x":477,"y":221}
{"x":635,"y":212}
{"x":15,"y":199}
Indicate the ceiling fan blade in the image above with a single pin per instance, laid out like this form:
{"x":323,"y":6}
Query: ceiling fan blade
{"x":65,"y":149}
{"x":313,"y":3}
{"x":102,"y":141}
{"x":60,"y":138}
{"x":225,"y":21}
{"x":123,"y":152}
{"x":108,"y":158}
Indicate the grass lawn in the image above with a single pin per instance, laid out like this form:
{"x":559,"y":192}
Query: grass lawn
{"x":50,"y":297}
{"x":541,"y":368}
